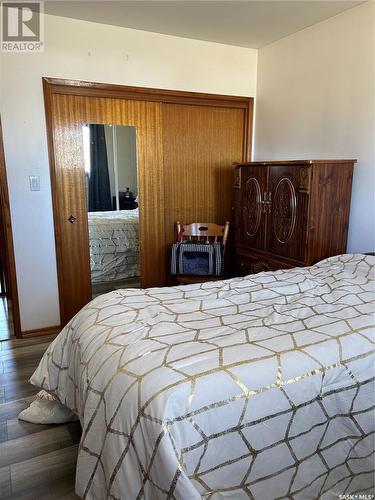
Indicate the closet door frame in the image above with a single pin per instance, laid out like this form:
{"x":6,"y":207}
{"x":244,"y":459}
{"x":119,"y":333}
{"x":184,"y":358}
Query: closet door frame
{"x":107,"y":90}
{"x":53,"y":86}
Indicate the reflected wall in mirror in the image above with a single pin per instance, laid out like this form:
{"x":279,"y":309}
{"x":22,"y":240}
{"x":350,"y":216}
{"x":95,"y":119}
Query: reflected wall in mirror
{"x":110,"y":155}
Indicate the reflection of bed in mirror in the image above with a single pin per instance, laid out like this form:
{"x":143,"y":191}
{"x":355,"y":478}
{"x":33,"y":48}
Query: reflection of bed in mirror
{"x":114,"y":245}
{"x":110,"y":155}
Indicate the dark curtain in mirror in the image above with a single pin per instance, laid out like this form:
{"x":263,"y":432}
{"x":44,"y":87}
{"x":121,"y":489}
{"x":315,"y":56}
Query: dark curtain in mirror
{"x":99,"y":185}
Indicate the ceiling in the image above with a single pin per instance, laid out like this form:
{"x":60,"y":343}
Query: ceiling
{"x":250,"y":24}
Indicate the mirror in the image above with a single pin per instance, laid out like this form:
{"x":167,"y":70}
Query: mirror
{"x":110,"y":155}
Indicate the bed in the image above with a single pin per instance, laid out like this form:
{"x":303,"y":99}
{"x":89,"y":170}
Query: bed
{"x":258,"y":387}
{"x":114,"y":245}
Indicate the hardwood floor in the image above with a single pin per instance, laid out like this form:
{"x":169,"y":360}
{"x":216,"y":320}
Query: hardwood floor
{"x":37,"y":462}
{"x":6,"y":320}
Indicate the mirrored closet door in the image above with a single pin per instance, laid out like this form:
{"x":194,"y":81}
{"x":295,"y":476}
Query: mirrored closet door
{"x":110,"y":156}
{"x":114,"y":149}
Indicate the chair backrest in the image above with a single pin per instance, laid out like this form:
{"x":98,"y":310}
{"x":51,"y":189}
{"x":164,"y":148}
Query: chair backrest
{"x":206,"y":232}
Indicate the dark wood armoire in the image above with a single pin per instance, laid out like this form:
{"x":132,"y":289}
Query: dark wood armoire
{"x":290,"y":213}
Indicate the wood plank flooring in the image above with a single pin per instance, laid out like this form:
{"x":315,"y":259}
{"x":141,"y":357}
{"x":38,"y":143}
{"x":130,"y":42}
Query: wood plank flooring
{"x":37,"y":462}
{"x":6,"y":319}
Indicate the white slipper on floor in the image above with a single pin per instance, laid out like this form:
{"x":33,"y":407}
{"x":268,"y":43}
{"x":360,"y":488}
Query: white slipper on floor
{"x":46,"y":409}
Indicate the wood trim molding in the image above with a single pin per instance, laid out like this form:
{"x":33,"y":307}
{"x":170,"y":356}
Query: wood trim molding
{"x":49,"y":330}
{"x":47,"y":91}
{"x":7,"y":225}
{"x":263,"y":163}
{"x":248,"y":130}
{"x":107,"y":90}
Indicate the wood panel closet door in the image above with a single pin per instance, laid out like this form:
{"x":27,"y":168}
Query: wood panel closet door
{"x":68,"y":114}
{"x":200,"y":144}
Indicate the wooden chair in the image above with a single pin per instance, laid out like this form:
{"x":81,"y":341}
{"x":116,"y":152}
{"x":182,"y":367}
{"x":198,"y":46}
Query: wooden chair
{"x":205,"y":232}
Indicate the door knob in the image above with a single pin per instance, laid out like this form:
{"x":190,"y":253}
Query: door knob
{"x":72,"y":219}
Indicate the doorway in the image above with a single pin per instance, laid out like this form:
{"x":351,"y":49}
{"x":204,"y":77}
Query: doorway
{"x":10,"y":326}
{"x":6,"y":317}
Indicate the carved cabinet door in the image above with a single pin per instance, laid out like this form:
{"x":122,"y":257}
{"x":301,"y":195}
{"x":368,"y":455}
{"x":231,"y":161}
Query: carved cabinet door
{"x":252,"y":214}
{"x":288,"y":209}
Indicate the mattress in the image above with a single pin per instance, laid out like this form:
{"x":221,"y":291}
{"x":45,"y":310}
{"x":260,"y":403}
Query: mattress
{"x":114,"y":245}
{"x":258,"y":387}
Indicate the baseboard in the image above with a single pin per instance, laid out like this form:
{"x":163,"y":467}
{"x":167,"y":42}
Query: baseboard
{"x":49,"y":330}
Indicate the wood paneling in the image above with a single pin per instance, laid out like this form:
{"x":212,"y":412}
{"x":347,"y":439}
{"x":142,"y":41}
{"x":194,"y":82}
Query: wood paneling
{"x":71,"y":239}
{"x":69,"y":114}
{"x":200,"y":143}
{"x":186,"y":144}
{"x":331,"y":190}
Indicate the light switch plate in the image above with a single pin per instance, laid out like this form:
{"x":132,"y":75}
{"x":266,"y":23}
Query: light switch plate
{"x":34,"y":182}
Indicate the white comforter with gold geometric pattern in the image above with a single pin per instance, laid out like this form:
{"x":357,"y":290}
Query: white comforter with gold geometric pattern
{"x":258,"y":387}
{"x":114,"y":245}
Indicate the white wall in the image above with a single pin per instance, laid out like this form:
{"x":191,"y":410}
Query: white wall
{"x":127,"y":161}
{"x":126,"y":158}
{"x":87,"y":51}
{"x":315,"y":99}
